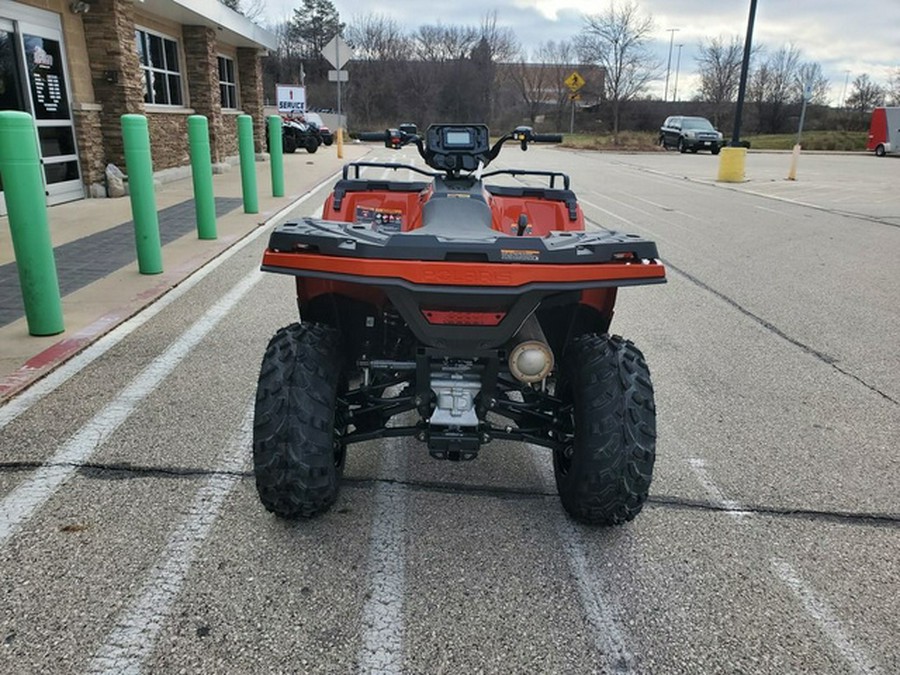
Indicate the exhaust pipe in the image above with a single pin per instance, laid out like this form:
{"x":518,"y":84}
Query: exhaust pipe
{"x":530,"y":356}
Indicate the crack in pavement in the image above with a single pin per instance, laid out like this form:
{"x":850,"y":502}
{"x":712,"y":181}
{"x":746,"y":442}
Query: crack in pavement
{"x":124,"y":471}
{"x":821,"y":356}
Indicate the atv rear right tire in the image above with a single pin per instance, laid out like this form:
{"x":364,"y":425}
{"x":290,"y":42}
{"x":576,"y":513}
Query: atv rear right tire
{"x":298,"y":457}
{"x":603,"y":473}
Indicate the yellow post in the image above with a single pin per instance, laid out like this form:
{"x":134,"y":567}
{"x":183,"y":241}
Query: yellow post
{"x":731,"y":165}
{"x":795,"y":157}
{"x":340,"y":143}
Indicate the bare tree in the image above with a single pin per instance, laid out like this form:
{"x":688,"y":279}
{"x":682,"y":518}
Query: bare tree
{"x":773,"y":85}
{"x":531,"y":79}
{"x":810,"y":75}
{"x":252,"y":9}
{"x":865,"y":96}
{"x":617,"y":41}
{"x":719,"y":67}
{"x":438,"y":43}
{"x":893,"y":88}
{"x":381,"y":49}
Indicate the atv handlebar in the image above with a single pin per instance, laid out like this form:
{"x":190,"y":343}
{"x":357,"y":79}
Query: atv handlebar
{"x":372,"y":135}
{"x":456,"y":148}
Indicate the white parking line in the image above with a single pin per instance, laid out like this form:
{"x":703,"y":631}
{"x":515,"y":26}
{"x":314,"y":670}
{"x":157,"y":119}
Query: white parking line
{"x":137,"y":628}
{"x":22,"y":402}
{"x":814,"y":606}
{"x":609,"y":635}
{"x":20,"y":504}
{"x":828,"y":622}
{"x":382,"y":617}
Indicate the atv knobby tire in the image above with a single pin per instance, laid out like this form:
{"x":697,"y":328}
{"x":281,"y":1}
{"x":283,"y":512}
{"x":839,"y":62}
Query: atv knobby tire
{"x":603,"y":475}
{"x":298,"y":459}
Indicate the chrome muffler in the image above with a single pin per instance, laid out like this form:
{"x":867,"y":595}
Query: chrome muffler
{"x":530,"y":356}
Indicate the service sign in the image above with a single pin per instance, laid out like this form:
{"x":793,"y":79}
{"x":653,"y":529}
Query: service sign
{"x":291,"y":99}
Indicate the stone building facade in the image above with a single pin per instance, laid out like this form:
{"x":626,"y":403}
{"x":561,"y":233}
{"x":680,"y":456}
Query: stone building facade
{"x":100,"y":59}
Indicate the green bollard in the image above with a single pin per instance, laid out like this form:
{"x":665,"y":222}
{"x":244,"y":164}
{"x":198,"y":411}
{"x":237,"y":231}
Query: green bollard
{"x":276,"y":155}
{"x":139,"y":166}
{"x":248,"y":163}
{"x":201,"y":172}
{"x":26,"y":204}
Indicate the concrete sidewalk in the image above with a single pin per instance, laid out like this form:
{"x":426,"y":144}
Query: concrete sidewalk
{"x":95,"y":254}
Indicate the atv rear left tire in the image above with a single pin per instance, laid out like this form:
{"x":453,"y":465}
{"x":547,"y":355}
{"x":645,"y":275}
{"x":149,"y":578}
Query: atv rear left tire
{"x":298,"y":457}
{"x":603,"y":473}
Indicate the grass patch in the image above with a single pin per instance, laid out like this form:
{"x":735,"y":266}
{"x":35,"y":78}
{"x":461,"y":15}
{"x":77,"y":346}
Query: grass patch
{"x":647,"y":141}
{"x":629,"y":141}
{"x":811,"y":140}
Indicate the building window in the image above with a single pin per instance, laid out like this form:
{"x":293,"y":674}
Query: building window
{"x":227,"y":83}
{"x":159,"y":64}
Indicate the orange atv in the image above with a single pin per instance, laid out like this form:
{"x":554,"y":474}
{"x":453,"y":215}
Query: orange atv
{"x":468,"y":311}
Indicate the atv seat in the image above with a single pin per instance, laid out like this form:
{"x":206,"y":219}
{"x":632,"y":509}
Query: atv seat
{"x":454,"y":217}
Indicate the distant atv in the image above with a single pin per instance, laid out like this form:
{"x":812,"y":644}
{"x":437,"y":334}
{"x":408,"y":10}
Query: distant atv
{"x":296,"y":134}
{"x":481,"y":311}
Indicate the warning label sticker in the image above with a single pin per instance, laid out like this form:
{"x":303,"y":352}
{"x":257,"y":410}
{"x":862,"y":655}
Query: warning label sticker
{"x":519,"y":255}
{"x":383,"y":220}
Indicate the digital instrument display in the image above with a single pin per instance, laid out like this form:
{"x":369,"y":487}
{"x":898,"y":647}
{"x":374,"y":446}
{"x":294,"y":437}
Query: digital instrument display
{"x":459,"y":138}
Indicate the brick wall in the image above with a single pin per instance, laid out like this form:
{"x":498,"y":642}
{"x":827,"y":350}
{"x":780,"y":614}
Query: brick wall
{"x":168,"y":140}
{"x":202,"y":72}
{"x":250,"y":82}
{"x":116,"y":75}
{"x":89,"y":133}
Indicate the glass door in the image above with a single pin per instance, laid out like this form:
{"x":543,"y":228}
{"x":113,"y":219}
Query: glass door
{"x":11,"y":89}
{"x":43,"y":57}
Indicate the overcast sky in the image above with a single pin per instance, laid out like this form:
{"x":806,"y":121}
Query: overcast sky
{"x":846,"y":37}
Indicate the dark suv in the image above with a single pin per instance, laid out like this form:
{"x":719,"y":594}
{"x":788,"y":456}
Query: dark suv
{"x":690,"y":133}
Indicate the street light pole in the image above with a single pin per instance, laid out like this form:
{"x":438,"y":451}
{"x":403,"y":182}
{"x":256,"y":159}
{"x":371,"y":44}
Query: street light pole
{"x":677,"y":68}
{"x":844,"y":90}
{"x":742,"y":87}
{"x":669,"y":66}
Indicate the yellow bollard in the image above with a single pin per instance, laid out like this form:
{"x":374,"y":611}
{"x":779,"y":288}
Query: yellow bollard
{"x":340,"y":143}
{"x":731,"y":165}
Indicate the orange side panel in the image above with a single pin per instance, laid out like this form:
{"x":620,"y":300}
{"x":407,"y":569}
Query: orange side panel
{"x":464,"y":274}
{"x":543,"y":215}
{"x":355,"y":205}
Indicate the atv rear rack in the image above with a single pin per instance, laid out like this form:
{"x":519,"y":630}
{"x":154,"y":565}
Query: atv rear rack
{"x":339,"y":239}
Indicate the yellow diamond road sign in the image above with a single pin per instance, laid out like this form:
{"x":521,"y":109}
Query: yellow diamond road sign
{"x":574,"y":81}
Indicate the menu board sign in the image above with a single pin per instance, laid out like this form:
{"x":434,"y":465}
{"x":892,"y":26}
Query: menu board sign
{"x":45,"y":74}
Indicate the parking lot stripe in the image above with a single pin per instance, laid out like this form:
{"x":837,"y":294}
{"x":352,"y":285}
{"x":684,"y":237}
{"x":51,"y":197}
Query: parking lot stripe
{"x":20,"y":504}
{"x":136,"y":630}
{"x":824,"y":617}
{"x":382,"y":618}
{"x":814,"y":606}
{"x":608,"y":635}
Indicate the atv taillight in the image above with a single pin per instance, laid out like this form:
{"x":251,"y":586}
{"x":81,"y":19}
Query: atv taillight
{"x":443,"y":317}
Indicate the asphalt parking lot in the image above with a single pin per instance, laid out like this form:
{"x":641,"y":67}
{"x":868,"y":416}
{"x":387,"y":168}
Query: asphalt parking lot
{"x":132,"y":540}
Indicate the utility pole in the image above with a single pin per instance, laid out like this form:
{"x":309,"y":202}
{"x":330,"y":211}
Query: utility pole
{"x":669,"y":66}
{"x":677,"y":68}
